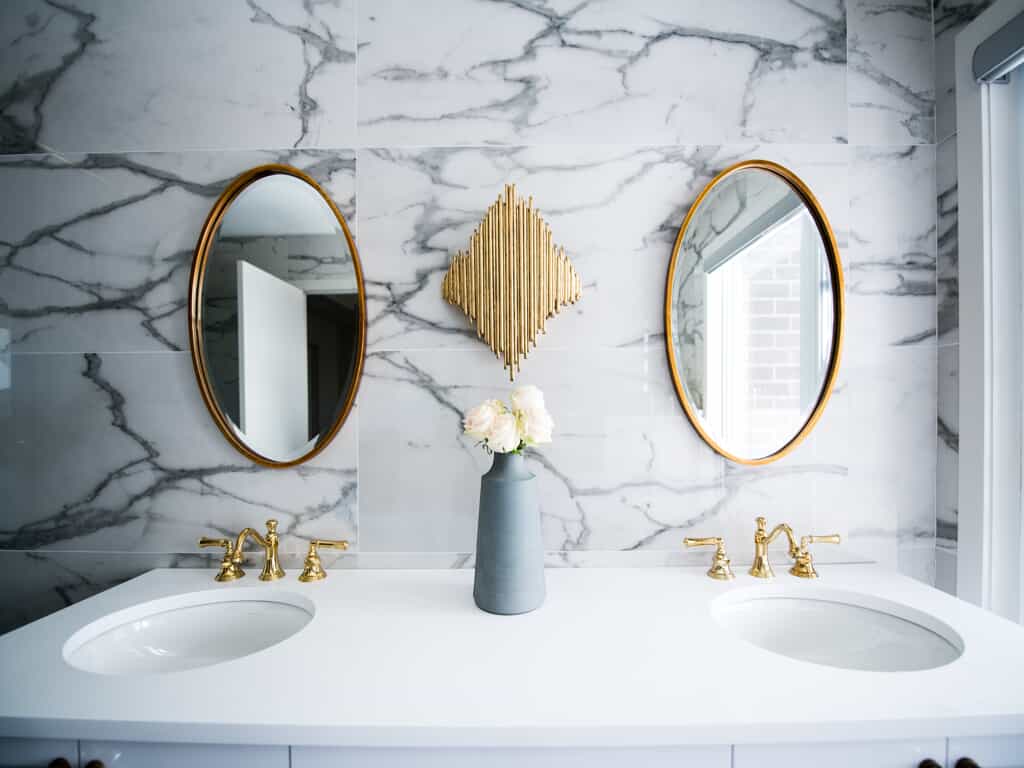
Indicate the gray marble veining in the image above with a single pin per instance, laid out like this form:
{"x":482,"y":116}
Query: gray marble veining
{"x":891,"y":87}
{"x":890,"y":262}
{"x":950,"y":16}
{"x":612,"y":115}
{"x":142,"y":466}
{"x":655,"y":70}
{"x":95,"y":250}
{"x":102,"y":76}
{"x":947,"y":242}
{"x":616,"y":209}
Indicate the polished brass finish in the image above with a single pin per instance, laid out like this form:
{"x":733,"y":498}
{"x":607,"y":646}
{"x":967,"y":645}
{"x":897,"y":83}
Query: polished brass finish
{"x":195,"y":313}
{"x":313,"y":569}
{"x":720,"y":565}
{"x":762,"y":568}
{"x":804,"y":565}
{"x":272,"y":569}
{"x":229,"y":569}
{"x":511,"y":279}
{"x":836,"y":273}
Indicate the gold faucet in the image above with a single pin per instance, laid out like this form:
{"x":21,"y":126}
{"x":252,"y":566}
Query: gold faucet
{"x":313,"y":569}
{"x":719,"y":569}
{"x":229,"y":569}
{"x":804,"y":565}
{"x":272,"y":569}
{"x":762,"y":568}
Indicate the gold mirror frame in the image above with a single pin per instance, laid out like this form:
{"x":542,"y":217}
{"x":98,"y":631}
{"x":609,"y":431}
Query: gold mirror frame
{"x":836,"y":274}
{"x":195,"y":312}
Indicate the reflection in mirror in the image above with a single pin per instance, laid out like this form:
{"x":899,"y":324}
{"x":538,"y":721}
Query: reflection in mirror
{"x":752,"y":312}
{"x":281,"y":318}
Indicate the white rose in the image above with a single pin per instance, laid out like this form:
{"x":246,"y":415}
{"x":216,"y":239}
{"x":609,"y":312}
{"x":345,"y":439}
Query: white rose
{"x":480,"y":420}
{"x":537,"y":426}
{"x":504,"y":434}
{"x":527,"y":398}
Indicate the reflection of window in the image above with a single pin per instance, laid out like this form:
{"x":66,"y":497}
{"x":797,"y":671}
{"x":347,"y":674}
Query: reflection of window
{"x":768,"y":335}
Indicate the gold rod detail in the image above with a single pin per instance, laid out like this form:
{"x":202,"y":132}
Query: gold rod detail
{"x":511,"y":279}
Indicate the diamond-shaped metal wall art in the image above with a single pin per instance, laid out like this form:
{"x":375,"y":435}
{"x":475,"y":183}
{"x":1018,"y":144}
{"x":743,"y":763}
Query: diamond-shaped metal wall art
{"x":511,"y":279}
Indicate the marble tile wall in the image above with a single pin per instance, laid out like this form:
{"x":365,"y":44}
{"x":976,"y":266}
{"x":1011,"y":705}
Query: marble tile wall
{"x":950,"y":16}
{"x":121,"y":122}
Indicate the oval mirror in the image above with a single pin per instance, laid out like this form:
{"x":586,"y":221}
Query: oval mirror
{"x":277,"y":317}
{"x":754,"y":312}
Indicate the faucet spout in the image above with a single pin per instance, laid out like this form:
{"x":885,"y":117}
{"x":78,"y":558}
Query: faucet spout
{"x":762,"y":567}
{"x":272,"y":569}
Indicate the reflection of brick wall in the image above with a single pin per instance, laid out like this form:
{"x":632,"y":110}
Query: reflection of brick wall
{"x":773,"y":334}
{"x":773,"y":354}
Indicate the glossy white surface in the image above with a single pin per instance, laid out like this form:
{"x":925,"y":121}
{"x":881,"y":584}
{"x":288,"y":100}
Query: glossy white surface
{"x":186,"y":632}
{"x":848,"y":630}
{"x":615,"y":657}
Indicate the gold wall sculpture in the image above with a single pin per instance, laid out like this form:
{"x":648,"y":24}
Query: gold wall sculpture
{"x":512,"y":278}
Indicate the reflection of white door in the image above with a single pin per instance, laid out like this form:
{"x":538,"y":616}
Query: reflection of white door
{"x":273,"y":372}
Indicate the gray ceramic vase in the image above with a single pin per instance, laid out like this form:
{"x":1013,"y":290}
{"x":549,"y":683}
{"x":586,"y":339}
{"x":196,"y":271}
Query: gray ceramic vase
{"x":509,"y":547}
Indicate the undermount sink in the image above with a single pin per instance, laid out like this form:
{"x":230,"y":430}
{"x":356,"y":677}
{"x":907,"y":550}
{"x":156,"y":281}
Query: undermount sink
{"x":187,"y":631}
{"x":841,"y":629}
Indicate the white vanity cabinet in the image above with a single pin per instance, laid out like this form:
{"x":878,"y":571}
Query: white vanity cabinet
{"x":37,"y":753}
{"x":862,"y":754}
{"x":125,"y":754}
{"x":987,"y":752}
{"x":652,"y":757}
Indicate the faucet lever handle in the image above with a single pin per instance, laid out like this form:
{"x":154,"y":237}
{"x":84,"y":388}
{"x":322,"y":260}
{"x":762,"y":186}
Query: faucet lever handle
{"x":229,"y":569}
{"x":313,"y":569}
{"x":719,"y":569}
{"x":804,"y":565}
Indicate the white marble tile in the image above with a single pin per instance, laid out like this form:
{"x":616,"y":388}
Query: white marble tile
{"x":890,"y":84}
{"x":948,"y":445}
{"x":950,"y":16}
{"x":890,"y":261}
{"x":119,"y":76}
{"x":948,"y":272}
{"x":48,"y":581}
{"x":625,"y":470}
{"x":617,"y":211}
{"x":879,"y":425}
{"x":118,"y":452}
{"x":472,"y":72}
{"x":96,"y":250}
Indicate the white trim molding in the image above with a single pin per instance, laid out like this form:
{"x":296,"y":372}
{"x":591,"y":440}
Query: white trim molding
{"x":990,"y":286}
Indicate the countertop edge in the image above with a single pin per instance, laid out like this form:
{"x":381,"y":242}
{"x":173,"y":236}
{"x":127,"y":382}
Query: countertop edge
{"x":454,"y":737}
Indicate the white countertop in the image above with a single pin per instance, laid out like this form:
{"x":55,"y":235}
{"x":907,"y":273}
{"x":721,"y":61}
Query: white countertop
{"x":614,"y":657}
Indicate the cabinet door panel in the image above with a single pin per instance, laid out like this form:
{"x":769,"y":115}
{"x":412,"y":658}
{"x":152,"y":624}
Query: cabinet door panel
{"x":989,"y":751}
{"x":126,"y":754}
{"x":682,"y":757}
{"x":862,"y":754}
{"x":36,"y":753}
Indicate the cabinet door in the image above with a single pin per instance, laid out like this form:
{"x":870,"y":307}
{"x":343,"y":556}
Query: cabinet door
{"x":36,"y":753}
{"x":681,"y":757}
{"x":126,"y":754}
{"x":860,"y":754}
{"x":989,"y":751}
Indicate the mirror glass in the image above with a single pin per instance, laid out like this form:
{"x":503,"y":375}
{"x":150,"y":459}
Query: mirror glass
{"x":280,"y":314}
{"x":752,"y":312}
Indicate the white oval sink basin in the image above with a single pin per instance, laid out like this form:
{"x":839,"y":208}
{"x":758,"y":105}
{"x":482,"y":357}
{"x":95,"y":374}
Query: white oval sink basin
{"x":842,"y":629}
{"x":187,"y":631}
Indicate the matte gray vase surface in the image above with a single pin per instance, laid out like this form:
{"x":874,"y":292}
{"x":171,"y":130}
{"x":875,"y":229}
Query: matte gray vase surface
{"x":509,"y":547}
